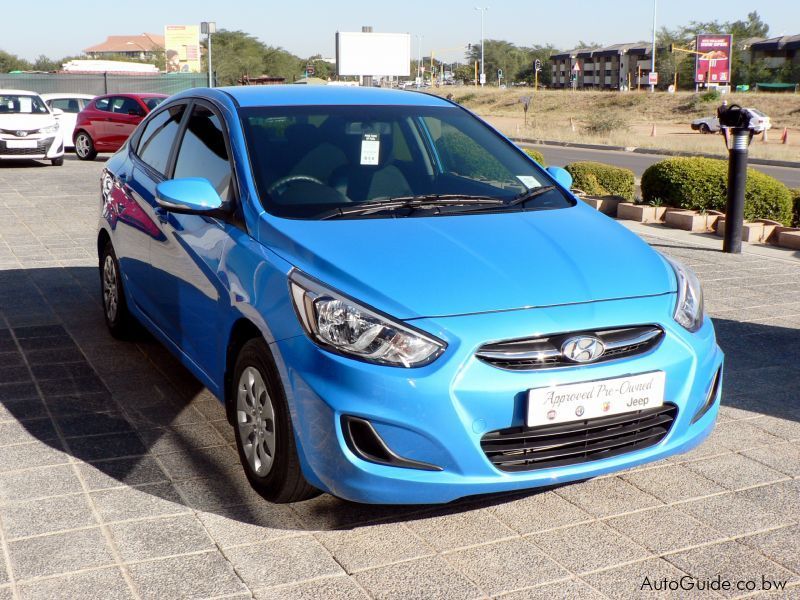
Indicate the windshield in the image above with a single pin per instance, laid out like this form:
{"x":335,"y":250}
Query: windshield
{"x":310,"y":160}
{"x":19,"y":104}
{"x":152,"y":102}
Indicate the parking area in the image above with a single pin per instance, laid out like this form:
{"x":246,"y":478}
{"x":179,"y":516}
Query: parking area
{"x":119,"y":476}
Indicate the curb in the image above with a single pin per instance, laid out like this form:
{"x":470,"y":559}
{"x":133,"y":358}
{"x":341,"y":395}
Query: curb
{"x":636,"y":150}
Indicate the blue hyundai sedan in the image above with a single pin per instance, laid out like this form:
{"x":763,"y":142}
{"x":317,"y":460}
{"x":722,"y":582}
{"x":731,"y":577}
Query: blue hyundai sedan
{"x":393,"y":302}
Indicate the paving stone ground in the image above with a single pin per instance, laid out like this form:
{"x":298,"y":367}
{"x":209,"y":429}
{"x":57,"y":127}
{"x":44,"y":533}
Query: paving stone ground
{"x":119,"y":478}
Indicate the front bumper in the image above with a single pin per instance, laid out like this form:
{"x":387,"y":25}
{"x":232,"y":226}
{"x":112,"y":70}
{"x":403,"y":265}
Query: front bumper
{"x":438,"y":414}
{"x":47,"y":146}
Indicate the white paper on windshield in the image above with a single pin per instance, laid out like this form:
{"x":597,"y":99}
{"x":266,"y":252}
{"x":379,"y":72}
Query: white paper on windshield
{"x":370,"y":149}
{"x":528,"y":181}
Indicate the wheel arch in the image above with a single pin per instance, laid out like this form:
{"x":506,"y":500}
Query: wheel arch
{"x":103,"y":238}
{"x":242,"y":331}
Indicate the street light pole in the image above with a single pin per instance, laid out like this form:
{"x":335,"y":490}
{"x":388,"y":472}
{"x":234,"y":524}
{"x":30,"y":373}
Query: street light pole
{"x":483,"y":71}
{"x":209,"y":27}
{"x":419,"y":60}
{"x":653,"y":59}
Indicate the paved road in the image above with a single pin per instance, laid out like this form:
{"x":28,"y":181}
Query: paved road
{"x":559,"y":155}
{"x":119,"y":479}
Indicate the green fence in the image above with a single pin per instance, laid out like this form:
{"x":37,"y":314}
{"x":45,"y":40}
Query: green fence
{"x":102,"y":83}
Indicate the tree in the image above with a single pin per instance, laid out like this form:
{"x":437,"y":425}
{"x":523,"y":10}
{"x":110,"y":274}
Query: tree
{"x":236,"y":54}
{"x":12,"y":62}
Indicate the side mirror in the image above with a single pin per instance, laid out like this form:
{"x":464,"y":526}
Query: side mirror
{"x":189,"y":196}
{"x":562,"y":176}
{"x":57,"y":112}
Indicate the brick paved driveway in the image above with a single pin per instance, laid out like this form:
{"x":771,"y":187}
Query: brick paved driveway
{"x":118,"y":477}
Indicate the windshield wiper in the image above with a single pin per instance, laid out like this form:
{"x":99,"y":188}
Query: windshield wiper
{"x":411,"y":202}
{"x":530,"y":195}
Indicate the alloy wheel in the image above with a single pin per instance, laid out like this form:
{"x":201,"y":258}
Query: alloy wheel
{"x":255,"y":418}
{"x":82,"y":145}
{"x":110,"y":289}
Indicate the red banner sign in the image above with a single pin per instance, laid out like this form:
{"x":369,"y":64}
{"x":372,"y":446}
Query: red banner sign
{"x":714,"y":64}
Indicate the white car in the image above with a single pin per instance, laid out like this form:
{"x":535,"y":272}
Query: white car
{"x":28,"y":128}
{"x":71,"y":104}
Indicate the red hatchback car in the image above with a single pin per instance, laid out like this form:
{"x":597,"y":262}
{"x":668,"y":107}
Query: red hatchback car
{"x":107,"y":121}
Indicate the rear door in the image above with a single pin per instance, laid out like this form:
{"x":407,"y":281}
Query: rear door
{"x":134,"y":202}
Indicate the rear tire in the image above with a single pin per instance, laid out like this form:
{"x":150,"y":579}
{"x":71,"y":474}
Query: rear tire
{"x":84,"y":146}
{"x":705,"y":128}
{"x":57,"y":162}
{"x":263,"y":428}
{"x":118,"y":318}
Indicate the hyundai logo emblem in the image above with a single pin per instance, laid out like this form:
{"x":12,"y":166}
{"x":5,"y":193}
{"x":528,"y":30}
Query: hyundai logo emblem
{"x":583,"y":349}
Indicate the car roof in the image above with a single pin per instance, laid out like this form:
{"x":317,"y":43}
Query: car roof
{"x":132,"y":95}
{"x":321,"y":95}
{"x":64,"y":95}
{"x":18,"y":92}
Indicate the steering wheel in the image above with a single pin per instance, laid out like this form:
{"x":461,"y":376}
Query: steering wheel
{"x":291,"y":179}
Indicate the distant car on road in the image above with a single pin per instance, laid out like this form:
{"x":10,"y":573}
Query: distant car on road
{"x":759,"y":122}
{"x":70,"y":104}
{"x":28,"y":128}
{"x":107,"y":122}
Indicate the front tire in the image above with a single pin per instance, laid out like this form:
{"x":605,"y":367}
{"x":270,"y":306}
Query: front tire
{"x":263,"y":428}
{"x":57,"y":162}
{"x":84,"y":146}
{"x":705,"y":129}
{"x":118,"y":319}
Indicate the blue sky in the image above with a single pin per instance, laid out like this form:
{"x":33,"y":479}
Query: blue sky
{"x":307,"y":27}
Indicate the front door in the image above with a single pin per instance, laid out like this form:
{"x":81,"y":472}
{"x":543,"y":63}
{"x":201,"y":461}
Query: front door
{"x":189,"y":296}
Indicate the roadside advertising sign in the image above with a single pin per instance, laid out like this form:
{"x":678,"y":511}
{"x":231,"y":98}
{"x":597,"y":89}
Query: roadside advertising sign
{"x":714,"y":64}
{"x":182,"y":48}
{"x":652,"y":78}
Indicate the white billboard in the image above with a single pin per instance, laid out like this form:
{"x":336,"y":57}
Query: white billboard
{"x":373,"y":54}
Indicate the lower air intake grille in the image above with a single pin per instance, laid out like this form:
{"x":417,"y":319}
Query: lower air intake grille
{"x":532,"y":448}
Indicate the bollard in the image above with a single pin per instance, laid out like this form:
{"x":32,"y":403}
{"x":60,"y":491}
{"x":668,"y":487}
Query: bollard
{"x":737,"y":179}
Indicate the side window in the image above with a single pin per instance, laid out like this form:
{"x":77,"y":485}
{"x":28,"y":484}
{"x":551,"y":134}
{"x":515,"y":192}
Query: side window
{"x":203,"y":153}
{"x":103,"y":104}
{"x":68,"y":105}
{"x":125,"y":106}
{"x":156,"y":140}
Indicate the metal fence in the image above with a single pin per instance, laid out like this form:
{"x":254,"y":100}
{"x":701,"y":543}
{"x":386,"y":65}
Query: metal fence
{"x":102,"y":83}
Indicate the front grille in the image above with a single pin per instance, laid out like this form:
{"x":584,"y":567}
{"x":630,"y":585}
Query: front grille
{"x":545,"y":352}
{"x":41,"y":148}
{"x":533,"y":448}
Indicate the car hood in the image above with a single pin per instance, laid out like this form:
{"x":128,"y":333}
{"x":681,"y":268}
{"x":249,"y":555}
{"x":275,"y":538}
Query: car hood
{"x":21,"y":122}
{"x":440,"y":266}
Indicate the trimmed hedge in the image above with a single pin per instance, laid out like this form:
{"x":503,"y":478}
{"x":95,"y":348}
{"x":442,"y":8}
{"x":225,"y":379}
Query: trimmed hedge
{"x":598,"y":179}
{"x":535,"y":155}
{"x":795,"y":207}
{"x":702,"y":184}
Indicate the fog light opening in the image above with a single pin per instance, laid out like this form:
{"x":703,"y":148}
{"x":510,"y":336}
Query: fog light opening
{"x":711,"y":398}
{"x":367,"y":444}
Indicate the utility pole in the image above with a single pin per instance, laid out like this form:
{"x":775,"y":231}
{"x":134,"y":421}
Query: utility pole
{"x":419,"y":60}
{"x":483,"y":72}
{"x":653,"y":58}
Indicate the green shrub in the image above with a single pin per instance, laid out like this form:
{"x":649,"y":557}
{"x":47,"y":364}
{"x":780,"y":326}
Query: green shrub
{"x":710,"y":96}
{"x":795,"y":207}
{"x":598,"y":179}
{"x":535,"y":155}
{"x":702,"y":184}
{"x":601,"y":124}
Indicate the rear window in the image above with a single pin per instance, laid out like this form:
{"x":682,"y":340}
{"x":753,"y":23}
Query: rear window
{"x":152,"y":102}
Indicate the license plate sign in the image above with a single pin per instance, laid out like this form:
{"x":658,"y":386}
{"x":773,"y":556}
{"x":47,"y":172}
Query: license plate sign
{"x":21,"y":143}
{"x":591,"y":399}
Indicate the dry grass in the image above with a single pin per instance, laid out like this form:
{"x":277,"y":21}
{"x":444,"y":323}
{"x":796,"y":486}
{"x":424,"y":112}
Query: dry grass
{"x":582,"y":116}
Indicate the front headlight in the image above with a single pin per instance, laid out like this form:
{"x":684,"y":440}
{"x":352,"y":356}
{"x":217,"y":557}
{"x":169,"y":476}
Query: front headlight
{"x":343,"y":325}
{"x":689,"y":306}
{"x":50,"y":129}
